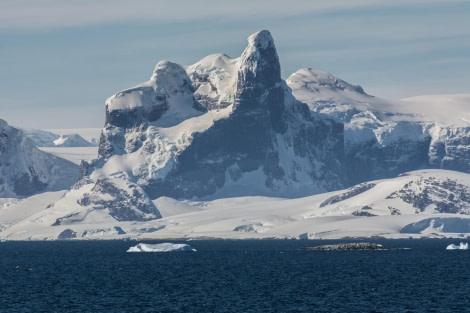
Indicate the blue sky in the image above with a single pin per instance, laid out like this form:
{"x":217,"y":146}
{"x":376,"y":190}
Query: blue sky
{"x":60,"y":60}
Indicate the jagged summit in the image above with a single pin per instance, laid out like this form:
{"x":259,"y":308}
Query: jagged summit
{"x":260,"y":64}
{"x":260,"y":40}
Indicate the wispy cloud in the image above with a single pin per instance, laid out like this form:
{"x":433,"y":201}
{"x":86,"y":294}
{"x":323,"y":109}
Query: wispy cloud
{"x":34,"y":15}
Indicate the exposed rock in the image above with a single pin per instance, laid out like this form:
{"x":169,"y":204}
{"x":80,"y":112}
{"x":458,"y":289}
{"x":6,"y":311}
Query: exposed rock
{"x":124,"y":202}
{"x":351,"y":192}
{"x":442,"y":196}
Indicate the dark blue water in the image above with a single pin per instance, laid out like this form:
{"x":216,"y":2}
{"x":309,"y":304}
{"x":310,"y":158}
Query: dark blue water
{"x":233,"y":276}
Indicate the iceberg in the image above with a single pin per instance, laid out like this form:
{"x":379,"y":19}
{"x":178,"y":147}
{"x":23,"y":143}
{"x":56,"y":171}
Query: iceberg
{"x":462,"y":246}
{"x":161,"y":247}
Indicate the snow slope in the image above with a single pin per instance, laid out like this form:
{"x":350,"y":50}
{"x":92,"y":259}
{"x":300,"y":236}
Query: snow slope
{"x":449,"y":109}
{"x":327,"y":94}
{"x":416,"y":204}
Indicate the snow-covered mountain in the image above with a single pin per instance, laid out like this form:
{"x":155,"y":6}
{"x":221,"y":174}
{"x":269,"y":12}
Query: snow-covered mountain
{"x":384,"y":138}
{"x":43,"y":138}
{"x":200,"y":130}
{"x":220,"y":127}
{"x":197,"y":150}
{"x":72,"y":140}
{"x":26,"y":170}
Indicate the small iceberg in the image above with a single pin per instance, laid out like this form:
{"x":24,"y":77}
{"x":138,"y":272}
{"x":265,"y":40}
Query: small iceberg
{"x":462,"y":246}
{"x":161,"y":247}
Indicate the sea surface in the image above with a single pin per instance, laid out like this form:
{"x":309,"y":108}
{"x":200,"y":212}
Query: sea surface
{"x":233,"y":276}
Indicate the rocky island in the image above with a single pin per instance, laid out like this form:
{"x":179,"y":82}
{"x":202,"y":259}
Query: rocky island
{"x":349,"y":246}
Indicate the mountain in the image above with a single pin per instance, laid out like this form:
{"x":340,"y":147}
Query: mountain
{"x":26,"y":170}
{"x":220,"y":127}
{"x":43,"y":138}
{"x":226,"y":148}
{"x":72,"y":140}
{"x":384,"y":138}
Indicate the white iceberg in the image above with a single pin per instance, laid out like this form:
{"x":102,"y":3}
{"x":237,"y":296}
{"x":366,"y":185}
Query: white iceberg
{"x":161,"y":247}
{"x":462,"y":246}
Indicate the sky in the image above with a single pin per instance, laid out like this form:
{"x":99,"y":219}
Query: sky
{"x":61,"y":60}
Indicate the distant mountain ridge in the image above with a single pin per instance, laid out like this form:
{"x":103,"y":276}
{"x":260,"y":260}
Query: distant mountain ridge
{"x":43,"y":138}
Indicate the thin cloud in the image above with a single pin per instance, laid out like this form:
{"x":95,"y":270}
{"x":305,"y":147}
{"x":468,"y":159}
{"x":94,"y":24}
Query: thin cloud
{"x":34,"y":15}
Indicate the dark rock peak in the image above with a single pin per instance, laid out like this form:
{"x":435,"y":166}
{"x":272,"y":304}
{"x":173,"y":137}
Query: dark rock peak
{"x":260,"y":68}
{"x":260,"y":89}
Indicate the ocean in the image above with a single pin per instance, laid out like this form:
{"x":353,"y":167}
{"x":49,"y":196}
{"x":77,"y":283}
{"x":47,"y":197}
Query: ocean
{"x":233,"y":276}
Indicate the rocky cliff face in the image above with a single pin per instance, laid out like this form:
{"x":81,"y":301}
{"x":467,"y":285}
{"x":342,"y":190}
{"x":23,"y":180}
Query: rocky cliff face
{"x":26,"y":170}
{"x":450,"y":148}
